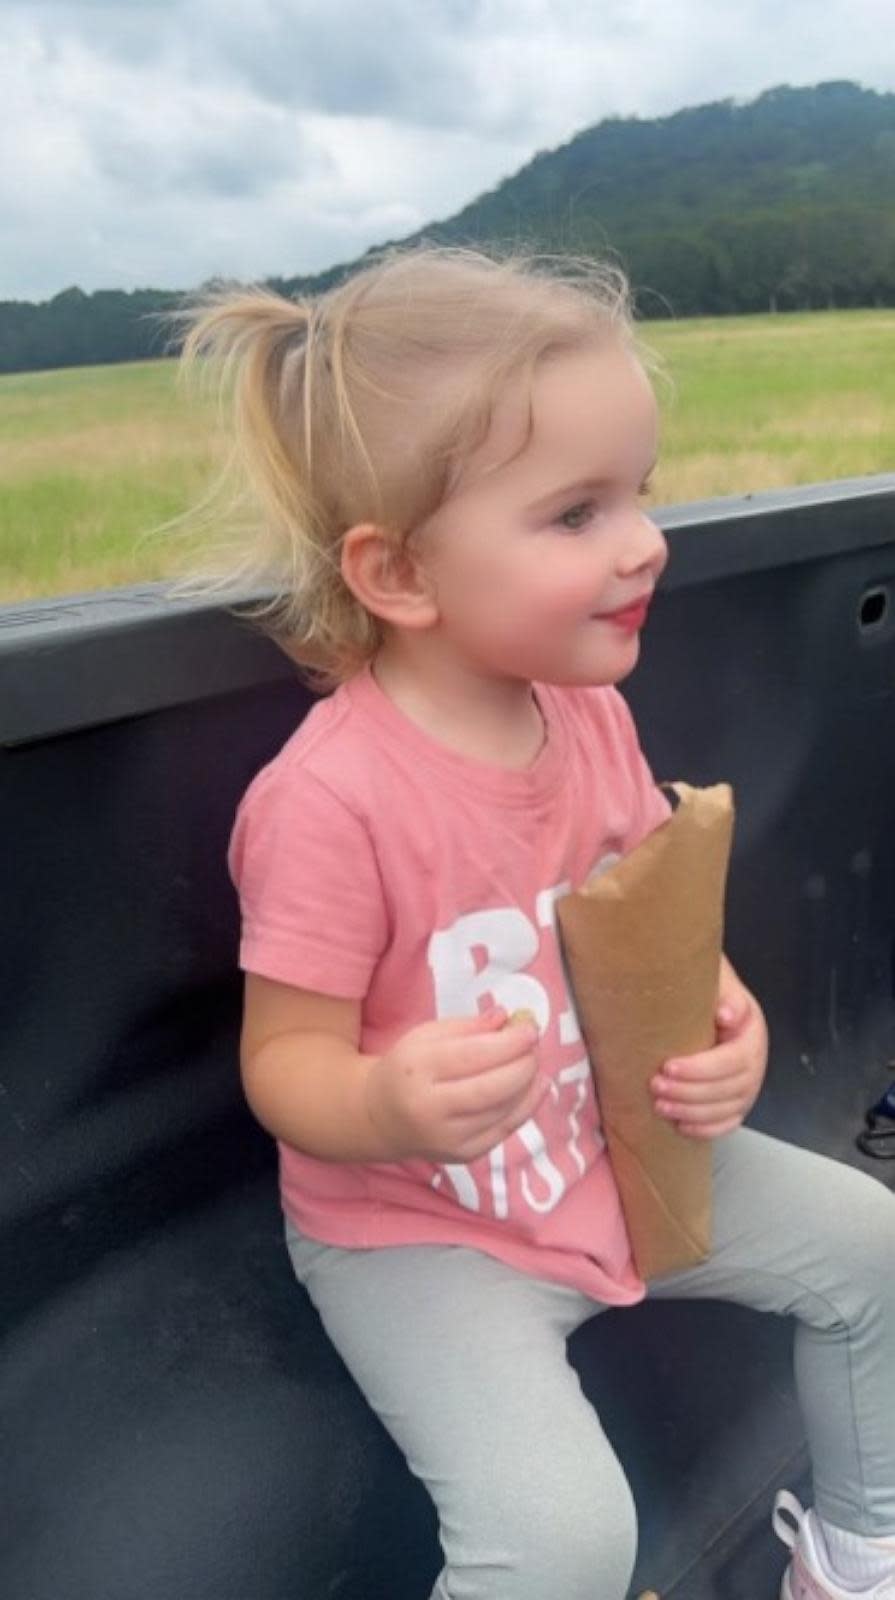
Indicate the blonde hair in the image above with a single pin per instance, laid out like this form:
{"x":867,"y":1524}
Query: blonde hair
{"x":362,"y":404}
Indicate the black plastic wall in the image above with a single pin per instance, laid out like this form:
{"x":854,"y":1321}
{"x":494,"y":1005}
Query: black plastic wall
{"x":174,"y":1424}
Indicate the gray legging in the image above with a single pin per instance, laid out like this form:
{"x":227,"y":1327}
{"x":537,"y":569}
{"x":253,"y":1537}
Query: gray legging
{"x":464,"y":1360}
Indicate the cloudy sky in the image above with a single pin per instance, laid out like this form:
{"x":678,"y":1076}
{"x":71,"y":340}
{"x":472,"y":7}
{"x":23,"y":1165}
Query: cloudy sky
{"x":162,"y":142}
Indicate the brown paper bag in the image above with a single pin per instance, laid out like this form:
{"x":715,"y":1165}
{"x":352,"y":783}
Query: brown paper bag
{"x":642,"y":944}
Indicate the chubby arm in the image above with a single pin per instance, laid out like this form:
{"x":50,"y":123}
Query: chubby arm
{"x":711,"y":1093}
{"x":448,"y":1089}
{"x":303,"y":1073}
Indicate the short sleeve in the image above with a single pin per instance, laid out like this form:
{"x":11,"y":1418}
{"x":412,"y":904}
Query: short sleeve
{"x":651,"y":806}
{"x":311,"y":900}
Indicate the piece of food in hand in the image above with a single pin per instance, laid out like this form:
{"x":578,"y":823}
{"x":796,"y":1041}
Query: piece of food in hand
{"x":522,"y":1015}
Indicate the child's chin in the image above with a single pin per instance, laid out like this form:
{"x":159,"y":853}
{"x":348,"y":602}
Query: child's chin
{"x":592,"y":676}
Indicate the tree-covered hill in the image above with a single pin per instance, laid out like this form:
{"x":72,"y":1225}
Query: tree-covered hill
{"x":787,"y":202}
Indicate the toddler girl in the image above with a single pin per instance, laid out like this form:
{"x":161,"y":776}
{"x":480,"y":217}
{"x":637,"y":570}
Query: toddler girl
{"x":448,"y":456}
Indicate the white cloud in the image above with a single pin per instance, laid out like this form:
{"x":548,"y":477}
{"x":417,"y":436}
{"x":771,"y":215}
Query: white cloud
{"x":164,"y":141}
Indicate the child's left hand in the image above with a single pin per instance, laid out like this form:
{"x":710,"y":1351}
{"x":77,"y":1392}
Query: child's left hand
{"x":709,"y":1094}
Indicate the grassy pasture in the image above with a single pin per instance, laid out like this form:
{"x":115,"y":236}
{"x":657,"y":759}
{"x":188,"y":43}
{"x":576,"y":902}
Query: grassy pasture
{"x":93,"y":459}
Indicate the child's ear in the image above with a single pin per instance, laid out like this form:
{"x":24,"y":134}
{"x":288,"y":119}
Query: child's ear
{"x":387,"y":578}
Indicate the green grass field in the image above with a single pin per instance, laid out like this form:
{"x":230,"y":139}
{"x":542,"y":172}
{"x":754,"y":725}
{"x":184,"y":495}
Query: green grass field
{"x":93,"y":459}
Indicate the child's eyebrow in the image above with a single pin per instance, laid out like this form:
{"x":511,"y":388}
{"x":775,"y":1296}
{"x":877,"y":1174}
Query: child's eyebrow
{"x":565,"y":491}
{"x":583,"y":486}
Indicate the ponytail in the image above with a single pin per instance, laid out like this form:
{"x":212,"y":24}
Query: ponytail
{"x":265,"y":361}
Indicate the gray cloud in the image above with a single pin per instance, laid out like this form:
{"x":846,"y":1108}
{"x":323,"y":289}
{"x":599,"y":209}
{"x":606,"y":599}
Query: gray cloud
{"x":349,"y":59}
{"x":240,"y":157}
{"x":126,"y":30}
{"x":396,"y":58}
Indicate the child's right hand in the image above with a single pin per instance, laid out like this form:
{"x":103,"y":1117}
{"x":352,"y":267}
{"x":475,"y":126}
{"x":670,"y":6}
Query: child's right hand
{"x":451,"y":1089}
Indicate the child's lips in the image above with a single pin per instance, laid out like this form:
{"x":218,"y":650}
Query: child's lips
{"x":631,"y":617}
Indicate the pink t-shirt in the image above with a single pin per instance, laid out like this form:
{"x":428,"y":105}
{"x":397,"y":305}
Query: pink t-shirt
{"x":374,"y":862}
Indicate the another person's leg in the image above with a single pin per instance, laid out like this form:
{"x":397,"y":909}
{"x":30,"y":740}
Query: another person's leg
{"x":464,"y":1361}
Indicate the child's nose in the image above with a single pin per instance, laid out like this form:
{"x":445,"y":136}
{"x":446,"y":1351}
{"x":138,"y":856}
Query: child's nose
{"x":646,"y":547}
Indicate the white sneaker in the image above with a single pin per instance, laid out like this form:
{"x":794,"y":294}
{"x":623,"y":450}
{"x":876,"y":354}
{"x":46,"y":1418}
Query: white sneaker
{"x":808,"y":1576}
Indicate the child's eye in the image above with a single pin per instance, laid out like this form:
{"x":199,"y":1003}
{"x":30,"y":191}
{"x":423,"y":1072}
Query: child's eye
{"x":576,"y":516}
{"x":646,"y":488}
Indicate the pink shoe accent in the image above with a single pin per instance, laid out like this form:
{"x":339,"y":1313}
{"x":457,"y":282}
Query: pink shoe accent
{"x":807,"y":1576}
{"x":803,"y":1586}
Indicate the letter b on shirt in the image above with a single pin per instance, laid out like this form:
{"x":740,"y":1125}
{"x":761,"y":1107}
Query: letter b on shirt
{"x":482,"y":958}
